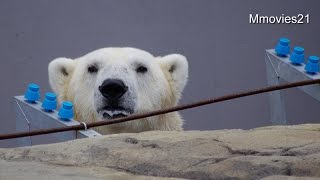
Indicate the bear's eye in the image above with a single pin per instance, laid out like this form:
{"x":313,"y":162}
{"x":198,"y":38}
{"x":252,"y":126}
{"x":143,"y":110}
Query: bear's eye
{"x":92,"y":69}
{"x":141,"y":69}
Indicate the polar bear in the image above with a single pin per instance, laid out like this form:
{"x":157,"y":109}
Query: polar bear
{"x":116,"y":82}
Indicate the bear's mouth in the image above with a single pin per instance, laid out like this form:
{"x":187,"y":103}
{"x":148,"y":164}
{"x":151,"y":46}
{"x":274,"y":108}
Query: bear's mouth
{"x":112,"y":113}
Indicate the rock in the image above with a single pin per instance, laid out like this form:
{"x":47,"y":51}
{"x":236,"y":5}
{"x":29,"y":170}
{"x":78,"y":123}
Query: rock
{"x":269,"y":152}
{"x":22,"y":170}
{"x":289,"y":178}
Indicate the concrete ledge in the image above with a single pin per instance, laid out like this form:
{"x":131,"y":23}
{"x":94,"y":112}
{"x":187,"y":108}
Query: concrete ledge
{"x":267,"y":152}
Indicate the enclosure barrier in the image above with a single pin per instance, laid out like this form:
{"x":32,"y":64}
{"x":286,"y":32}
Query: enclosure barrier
{"x":159,"y":112}
{"x":36,"y":119}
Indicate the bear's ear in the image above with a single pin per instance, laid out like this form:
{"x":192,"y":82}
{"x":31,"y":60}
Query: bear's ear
{"x":177,"y":66}
{"x":60,"y":71}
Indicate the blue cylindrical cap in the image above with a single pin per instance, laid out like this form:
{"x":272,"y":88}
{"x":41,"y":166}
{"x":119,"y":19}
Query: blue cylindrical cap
{"x":32,"y":93}
{"x":314,"y":59}
{"x":50,"y":102}
{"x":282,"y":48}
{"x":297,"y":56}
{"x":67,"y":105}
{"x":51,"y":96}
{"x":312,"y":66}
{"x":298,"y":50}
{"x":33,"y":87}
{"x":284,"y":41}
{"x":66,"y":111}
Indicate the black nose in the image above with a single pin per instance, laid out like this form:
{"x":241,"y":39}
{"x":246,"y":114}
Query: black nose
{"x":113,"y":89}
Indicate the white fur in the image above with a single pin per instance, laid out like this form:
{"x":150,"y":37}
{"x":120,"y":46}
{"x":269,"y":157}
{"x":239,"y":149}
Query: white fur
{"x":160,"y":87}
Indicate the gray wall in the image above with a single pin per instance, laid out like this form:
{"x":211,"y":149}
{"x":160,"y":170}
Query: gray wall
{"x":225,"y":52}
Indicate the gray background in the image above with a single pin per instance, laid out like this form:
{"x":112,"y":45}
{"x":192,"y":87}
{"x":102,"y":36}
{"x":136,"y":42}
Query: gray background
{"x":225,"y":52}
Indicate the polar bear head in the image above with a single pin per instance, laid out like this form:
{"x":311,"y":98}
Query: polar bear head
{"x":116,"y":82}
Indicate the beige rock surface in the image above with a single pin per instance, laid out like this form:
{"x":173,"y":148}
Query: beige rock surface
{"x":269,"y":152}
{"x":278,"y":177}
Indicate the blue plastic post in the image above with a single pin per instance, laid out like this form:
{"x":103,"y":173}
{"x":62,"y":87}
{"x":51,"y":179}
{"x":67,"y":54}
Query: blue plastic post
{"x":312,"y":66}
{"x":50,"y":102}
{"x":283,"y":49}
{"x":32,"y":94}
{"x":66,"y":111}
{"x":297,"y":56}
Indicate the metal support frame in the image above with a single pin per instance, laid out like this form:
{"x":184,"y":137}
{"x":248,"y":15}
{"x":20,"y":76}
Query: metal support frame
{"x":280,"y":68}
{"x":32,"y":116}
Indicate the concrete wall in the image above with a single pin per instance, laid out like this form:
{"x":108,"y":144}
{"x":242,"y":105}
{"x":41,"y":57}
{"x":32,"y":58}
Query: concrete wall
{"x":225,"y":52}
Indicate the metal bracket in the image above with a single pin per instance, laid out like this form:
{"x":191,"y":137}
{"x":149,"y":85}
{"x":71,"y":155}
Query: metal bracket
{"x":32,"y":116}
{"x":280,"y":68}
